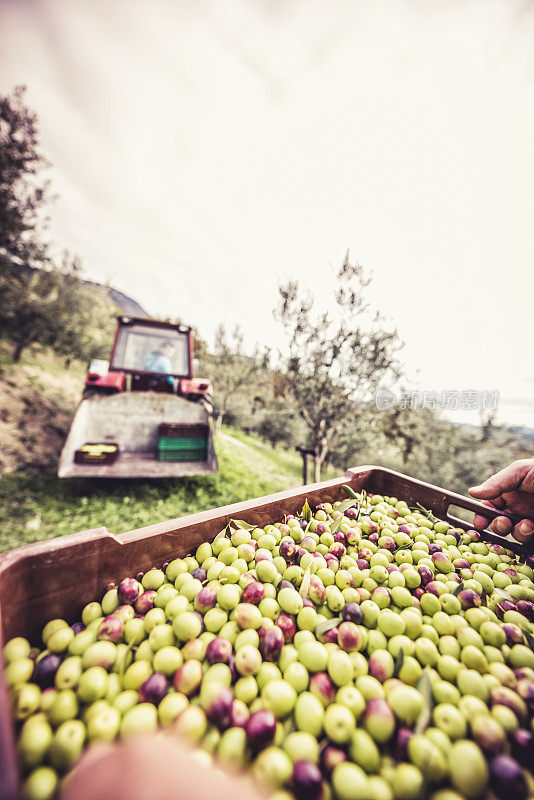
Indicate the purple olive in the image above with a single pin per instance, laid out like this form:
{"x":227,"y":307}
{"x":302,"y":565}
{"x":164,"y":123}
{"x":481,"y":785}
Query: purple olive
{"x":288,"y":550}
{"x":110,"y":629}
{"x":307,"y":781}
{"x":129,"y":590}
{"x":338,"y":550}
{"x":513,"y":633}
{"x":321,"y":528}
{"x":233,"y":669}
{"x":381,"y":665}
{"x":330,"y":757}
{"x":522,"y":746}
{"x":351,"y":612}
{"x":404,"y":529}
{"x":206,"y":599}
{"x":303,"y":524}
{"x":331,"y":635}
{"x":322,"y":687}
{"x":469,"y":598}
{"x":260,"y":729}
{"x":154,"y":689}
{"x":218,"y":704}
{"x":512,"y":573}
{"x":373,"y":537}
{"x":352,"y":513}
{"x":77,"y":627}
{"x":320,"y":507}
{"x":287,"y":626}
{"x":503,"y":606}
{"x":340,"y":538}
{"x":45,"y":669}
{"x":349,"y":636}
{"x":284,"y":584}
{"x":263,"y":555}
{"x":199,"y":574}
{"x":433,"y":547}
{"x":145,"y":601}
{"x":218,"y":651}
{"x":526,"y":607}
{"x":425,"y":573}
{"x":379,"y":719}
{"x":502,"y":695}
{"x":361,"y":563}
{"x":507,"y":779}
{"x":307,"y":603}
{"x":525,"y":690}
{"x":253,"y":593}
{"x":400,"y":748}
{"x":272,"y":643}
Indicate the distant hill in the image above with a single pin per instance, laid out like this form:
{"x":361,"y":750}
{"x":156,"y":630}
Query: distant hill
{"x":125,"y":304}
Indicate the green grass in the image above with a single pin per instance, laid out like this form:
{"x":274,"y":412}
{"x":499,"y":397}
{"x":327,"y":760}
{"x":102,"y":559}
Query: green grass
{"x":36,"y":507}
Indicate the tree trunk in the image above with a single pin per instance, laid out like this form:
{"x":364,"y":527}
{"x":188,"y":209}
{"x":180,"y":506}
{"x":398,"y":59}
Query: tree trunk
{"x":317,"y":461}
{"x":17,"y":352}
{"x":218,"y":421}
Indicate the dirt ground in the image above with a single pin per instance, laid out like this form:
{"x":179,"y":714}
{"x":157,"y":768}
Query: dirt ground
{"x":37,"y":400}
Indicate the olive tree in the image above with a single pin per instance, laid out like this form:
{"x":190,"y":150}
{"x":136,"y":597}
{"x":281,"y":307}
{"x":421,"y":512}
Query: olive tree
{"x":335,"y":361}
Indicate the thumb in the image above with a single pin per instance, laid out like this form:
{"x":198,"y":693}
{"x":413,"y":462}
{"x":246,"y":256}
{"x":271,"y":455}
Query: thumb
{"x":504,"y":481}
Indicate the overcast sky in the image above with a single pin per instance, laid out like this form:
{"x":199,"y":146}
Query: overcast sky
{"x":204,"y":151}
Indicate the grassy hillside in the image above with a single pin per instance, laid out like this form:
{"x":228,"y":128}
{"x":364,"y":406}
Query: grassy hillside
{"x":37,"y":399}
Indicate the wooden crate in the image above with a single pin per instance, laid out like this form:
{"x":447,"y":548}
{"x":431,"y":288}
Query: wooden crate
{"x":58,"y":577}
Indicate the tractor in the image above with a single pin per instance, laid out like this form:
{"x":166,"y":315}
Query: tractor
{"x":143,"y":414}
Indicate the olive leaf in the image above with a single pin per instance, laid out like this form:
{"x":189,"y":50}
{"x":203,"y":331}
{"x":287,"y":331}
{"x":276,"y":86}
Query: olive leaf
{"x":425,"y":511}
{"x":502,"y":594}
{"x":344,"y":506}
{"x":457,"y":589}
{"x":122,"y":668}
{"x":327,"y":624}
{"x":305,"y":585}
{"x":350,"y":492}
{"x":529,"y":637}
{"x":222,"y":533}
{"x":399,"y":661}
{"x":424,"y":685}
{"x":240,"y":523}
{"x":288,"y":726}
{"x":306,"y":511}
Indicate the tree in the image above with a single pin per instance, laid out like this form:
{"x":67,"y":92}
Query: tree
{"x":23,"y":194}
{"x":334,"y":364}
{"x":277,"y":424}
{"x":84,"y":321}
{"x":233,"y":373}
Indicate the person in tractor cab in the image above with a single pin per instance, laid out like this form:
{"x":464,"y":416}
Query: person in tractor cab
{"x":160,"y":360}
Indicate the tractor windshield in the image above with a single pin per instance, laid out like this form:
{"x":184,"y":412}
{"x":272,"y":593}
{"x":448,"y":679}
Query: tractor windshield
{"x":140,"y":348}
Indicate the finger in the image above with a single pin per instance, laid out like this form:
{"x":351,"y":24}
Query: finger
{"x":501,"y":525}
{"x":480,"y":522}
{"x":507,"y":480}
{"x":523,"y":530}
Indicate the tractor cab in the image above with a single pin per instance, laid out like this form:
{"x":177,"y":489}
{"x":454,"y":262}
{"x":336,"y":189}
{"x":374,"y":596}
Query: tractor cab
{"x":149,"y":356}
{"x":143,"y":413}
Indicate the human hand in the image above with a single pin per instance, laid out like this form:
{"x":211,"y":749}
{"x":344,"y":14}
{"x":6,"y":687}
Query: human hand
{"x":512,"y":491}
{"x":157,"y":766}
